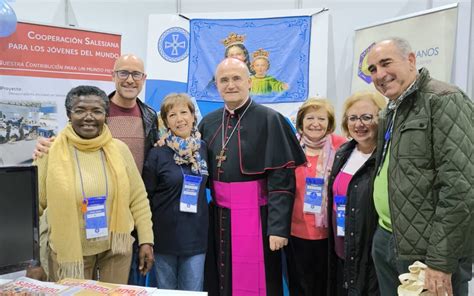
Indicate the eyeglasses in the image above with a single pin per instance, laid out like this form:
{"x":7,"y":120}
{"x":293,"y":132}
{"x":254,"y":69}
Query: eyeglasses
{"x":364,"y":118}
{"x":83,"y":113}
{"x":124,"y":74}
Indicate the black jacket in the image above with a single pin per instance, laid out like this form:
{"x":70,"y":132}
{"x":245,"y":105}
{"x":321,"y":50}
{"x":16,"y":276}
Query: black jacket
{"x":360,"y":224}
{"x":150,"y":124}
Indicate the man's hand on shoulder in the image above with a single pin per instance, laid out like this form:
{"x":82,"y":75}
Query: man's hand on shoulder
{"x":438,"y":282}
{"x":42,"y":147}
{"x":277,"y":242}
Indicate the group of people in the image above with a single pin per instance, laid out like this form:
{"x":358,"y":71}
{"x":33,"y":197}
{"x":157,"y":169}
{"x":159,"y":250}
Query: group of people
{"x":351,"y":213}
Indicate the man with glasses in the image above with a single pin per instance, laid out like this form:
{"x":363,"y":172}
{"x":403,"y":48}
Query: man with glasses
{"x":129,"y":120}
{"x":423,"y":189}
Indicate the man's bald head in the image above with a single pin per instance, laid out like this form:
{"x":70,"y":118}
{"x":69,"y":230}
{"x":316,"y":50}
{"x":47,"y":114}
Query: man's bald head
{"x":128,"y":86}
{"x":232,"y":62}
{"x":233,"y":82}
{"x":129,"y":59}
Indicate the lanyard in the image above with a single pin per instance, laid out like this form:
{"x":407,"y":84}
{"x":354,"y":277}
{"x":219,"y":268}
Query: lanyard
{"x":80,"y":174}
{"x":191,"y":173}
{"x":386,"y":142}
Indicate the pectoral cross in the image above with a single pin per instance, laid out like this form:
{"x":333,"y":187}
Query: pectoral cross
{"x":220,"y":158}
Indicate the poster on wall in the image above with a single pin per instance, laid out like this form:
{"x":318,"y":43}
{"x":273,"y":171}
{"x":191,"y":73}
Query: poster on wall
{"x":171,"y":50}
{"x":39,"y":64}
{"x":431,"y":34}
{"x":276,"y":51}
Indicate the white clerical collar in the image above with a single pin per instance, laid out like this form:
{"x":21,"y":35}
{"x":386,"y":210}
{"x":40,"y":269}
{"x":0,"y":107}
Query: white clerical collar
{"x":240,"y":106}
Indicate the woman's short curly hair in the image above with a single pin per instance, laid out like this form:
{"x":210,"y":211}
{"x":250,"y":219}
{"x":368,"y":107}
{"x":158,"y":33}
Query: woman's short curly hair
{"x":173,"y":99}
{"x":316,"y":104}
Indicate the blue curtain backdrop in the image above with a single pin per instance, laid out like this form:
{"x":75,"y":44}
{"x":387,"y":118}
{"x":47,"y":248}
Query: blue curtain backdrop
{"x":286,"y":39}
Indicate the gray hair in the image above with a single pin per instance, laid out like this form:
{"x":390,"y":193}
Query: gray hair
{"x":402,"y":45}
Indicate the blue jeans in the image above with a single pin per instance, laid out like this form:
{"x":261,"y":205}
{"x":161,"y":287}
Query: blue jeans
{"x":180,"y":272}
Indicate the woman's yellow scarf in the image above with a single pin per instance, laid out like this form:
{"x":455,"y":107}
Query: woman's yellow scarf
{"x":62,"y":204}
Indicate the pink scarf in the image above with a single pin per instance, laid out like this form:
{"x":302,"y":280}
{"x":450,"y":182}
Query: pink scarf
{"x":323,"y":170}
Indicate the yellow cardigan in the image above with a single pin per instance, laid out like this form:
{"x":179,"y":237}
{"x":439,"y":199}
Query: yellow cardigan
{"x":139,"y":214}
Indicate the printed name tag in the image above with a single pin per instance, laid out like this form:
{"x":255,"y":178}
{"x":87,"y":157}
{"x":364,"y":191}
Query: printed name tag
{"x":189,"y":193}
{"x":313,"y":197}
{"x":340,"y":201}
{"x":95,"y":217}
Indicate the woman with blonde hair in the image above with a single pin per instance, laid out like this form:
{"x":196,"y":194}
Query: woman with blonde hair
{"x":307,"y":247}
{"x":351,"y":211}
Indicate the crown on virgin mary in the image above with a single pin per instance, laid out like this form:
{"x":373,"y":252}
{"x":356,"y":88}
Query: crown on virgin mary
{"x":233,"y":39}
{"x":261,"y":53}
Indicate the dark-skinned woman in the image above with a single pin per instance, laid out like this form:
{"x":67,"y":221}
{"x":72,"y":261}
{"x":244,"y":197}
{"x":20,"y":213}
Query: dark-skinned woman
{"x":94,"y":196}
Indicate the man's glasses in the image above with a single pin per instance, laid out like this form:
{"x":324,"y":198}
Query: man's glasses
{"x":364,"y":118}
{"x":123,"y":74}
{"x":81,"y":113}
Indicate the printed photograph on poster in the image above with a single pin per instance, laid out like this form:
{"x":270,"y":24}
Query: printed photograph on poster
{"x":24,"y":116}
{"x":22,"y":122}
{"x":275,"y":50}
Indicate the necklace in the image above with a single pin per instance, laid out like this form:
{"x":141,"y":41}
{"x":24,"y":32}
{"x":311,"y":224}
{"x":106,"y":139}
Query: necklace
{"x":221,"y":157}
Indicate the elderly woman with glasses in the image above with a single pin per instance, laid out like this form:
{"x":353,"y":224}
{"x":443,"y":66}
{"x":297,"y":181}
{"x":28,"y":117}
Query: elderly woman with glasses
{"x":94,"y":196}
{"x":351,"y":211}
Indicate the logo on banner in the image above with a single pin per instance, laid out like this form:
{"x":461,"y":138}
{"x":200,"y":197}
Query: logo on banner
{"x":363,"y":71}
{"x":173,"y":44}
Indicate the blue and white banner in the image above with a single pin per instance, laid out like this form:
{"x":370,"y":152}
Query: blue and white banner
{"x":276,"y":50}
{"x":171,"y":47}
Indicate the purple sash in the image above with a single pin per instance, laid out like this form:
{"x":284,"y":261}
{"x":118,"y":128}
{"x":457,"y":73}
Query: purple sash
{"x":244,"y":200}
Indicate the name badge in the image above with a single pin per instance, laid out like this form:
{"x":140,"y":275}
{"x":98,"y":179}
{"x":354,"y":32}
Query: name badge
{"x":340,"y":201}
{"x":313,"y":197}
{"x":189,"y":193}
{"x":95,"y":217}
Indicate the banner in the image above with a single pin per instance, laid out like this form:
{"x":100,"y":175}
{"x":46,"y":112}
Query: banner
{"x":276,"y":51}
{"x":431,"y":34}
{"x":170,"y":51}
{"x":39,"y":64}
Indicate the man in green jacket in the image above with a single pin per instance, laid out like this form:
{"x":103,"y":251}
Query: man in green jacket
{"x":423,"y":188}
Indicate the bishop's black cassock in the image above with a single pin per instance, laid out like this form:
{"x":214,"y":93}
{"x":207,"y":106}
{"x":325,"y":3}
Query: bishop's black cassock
{"x":253,"y":183}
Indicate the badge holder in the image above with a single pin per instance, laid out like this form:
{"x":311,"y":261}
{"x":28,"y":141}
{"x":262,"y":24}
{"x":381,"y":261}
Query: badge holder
{"x":95,"y":217}
{"x":340,"y":201}
{"x":313,"y":197}
{"x":189,"y":193}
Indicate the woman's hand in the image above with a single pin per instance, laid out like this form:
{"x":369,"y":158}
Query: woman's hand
{"x":146,"y":258}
